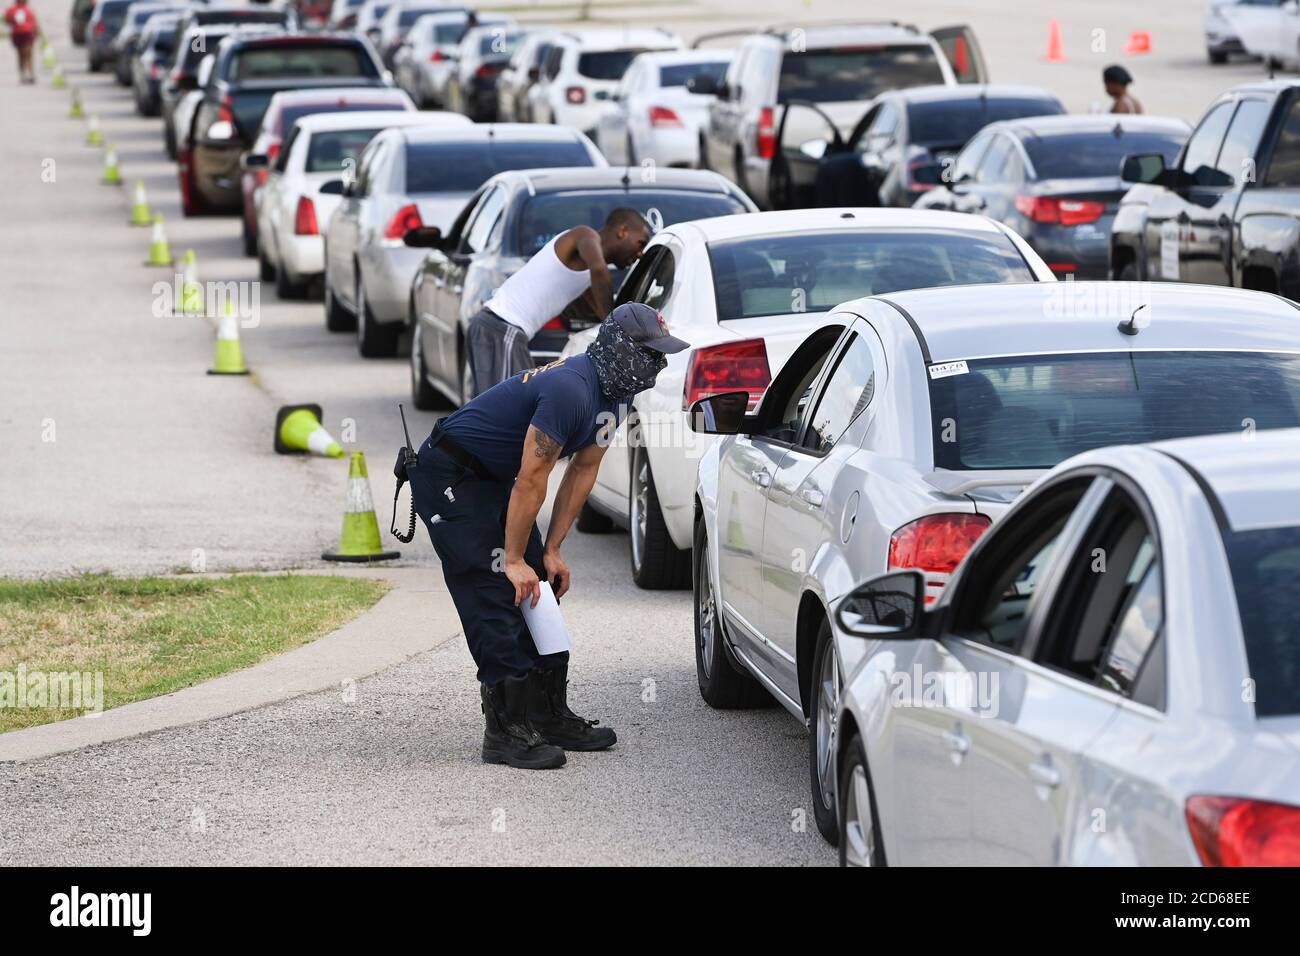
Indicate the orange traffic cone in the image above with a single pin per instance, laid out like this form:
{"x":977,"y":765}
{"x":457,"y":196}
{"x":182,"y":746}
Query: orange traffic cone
{"x":1055,"y":51}
{"x":1139,"y":41}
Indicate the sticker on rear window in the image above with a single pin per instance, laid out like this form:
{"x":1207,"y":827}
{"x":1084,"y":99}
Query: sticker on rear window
{"x":945,"y":369}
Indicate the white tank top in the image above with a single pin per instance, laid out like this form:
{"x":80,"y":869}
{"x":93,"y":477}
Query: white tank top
{"x":539,"y":291}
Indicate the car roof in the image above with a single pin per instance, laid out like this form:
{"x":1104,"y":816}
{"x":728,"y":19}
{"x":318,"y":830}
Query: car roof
{"x":813,"y":36}
{"x":947,"y":93}
{"x":967,"y":322}
{"x":360,"y":119}
{"x":748,"y":225}
{"x":1253,"y":476}
{"x":507,"y":132}
{"x":1092,"y":123}
{"x":613,"y":39}
{"x":673,"y":57}
{"x":372,"y":93}
{"x":320,"y":38}
{"x":1265,"y":86}
{"x":579,"y":178}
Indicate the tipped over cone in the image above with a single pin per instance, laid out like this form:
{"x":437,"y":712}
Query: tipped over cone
{"x":298,"y":431}
{"x":230,"y":354}
{"x":360,"y":538}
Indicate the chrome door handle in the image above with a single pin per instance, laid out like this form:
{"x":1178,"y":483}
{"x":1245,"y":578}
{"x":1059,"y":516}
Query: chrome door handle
{"x":1045,"y":775}
{"x":813,"y":496}
{"x":760,"y":478}
{"x":957,"y":742}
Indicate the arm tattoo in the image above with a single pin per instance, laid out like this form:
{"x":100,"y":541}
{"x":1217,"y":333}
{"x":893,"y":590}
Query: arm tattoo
{"x":547,"y":447}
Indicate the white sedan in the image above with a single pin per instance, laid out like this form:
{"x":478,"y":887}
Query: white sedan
{"x":744,"y":291}
{"x":293,"y":210}
{"x":899,"y":432}
{"x":1112,"y":678}
{"x":655,"y":114}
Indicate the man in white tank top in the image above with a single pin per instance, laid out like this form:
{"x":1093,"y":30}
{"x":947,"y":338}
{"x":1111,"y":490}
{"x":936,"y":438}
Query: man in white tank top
{"x":573,"y":264}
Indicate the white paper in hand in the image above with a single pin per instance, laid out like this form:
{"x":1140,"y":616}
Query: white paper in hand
{"x":545,"y":622}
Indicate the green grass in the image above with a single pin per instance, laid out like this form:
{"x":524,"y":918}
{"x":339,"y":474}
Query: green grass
{"x":152,"y":636}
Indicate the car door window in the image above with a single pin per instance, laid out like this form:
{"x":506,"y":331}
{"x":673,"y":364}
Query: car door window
{"x":734,"y":73}
{"x":1013,"y":168}
{"x":282,"y":158}
{"x":553,"y":62}
{"x":1237,"y":158}
{"x":1284,"y":165}
{"x":369,"y":169}
{"x":847,"y":392}
{"x":992,"y":166}
{"x":785,"y":404}
{"x":881,"y":131}
{"x":969,"y":159}
{"x":1107,"y":622}
{"x":485,"y":218}
{"x":637,"y":280}
{"x":1202,"y":150}
{"x":659,"y":288}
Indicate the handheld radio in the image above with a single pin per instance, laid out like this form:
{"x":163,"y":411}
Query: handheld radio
{"x":407,"y":459}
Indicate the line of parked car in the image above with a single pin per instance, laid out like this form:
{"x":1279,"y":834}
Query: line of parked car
{"x":949,"y":511}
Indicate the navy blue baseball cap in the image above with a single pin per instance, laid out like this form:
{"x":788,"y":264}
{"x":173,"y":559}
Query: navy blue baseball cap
{"x":646,"y":326}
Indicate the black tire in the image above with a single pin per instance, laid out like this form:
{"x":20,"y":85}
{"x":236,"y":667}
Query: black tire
{"x":855,"y":758}
{"x":373,"y":339}
{"x":823,"y":794}
{"x":285,"y":288}
{"x":662,"y":566}
{"x":337,"y":318}
{"x":265,"y":271}
{"x":1217,"y":58}
{"x":591,"y":521}
{"x":722,"y":685}
{"x":702,"y":162}
{"x":250,"y":240}
{"x":423,"y":395}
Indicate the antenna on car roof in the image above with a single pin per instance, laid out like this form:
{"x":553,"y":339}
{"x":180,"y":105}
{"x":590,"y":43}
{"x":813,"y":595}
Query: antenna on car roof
{"x":1131,"y":327}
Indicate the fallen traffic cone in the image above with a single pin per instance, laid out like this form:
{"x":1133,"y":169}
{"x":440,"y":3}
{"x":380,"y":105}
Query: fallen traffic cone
{"x":93,"y":136}
{"x":1055,"y":51}
{"x":230,"y":354}
{"x":159,"y":254}
{"x":75,"y":112}
{"x":298,"y":431}
{"x":360,"y":538}
{"x":191,"y":291}
{"x":57,"y":80}
{"x":1139,"y":41}
{"x":140,"y":207}
{"x":112,"y":175}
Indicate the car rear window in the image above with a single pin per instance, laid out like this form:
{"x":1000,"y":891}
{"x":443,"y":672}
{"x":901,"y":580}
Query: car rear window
{"x":679,"y":73}
{"x":499,"y":43}
{"x":607,"y":64}
{"x":200,"y":45}
{"x":205,"y":17}
{"x":463,"y":167}
{"x":291,"y":115}
{"x":330,"y":150}
{"x":1266,"y":577}
{"x":548,"y":215}
{"x":1035,"y":411}
{"x":273,"y":61}
{"x":816,"y":271}
{"x":954,"y":122}
{"x":163,"y":42}
{"x":408,"y":16}
{"x":448,"y":34}
{"x":857,"y":73}
{"x":1085,"y":155}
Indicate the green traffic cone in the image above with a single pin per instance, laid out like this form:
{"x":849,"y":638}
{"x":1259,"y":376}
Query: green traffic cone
{"x":230,"y":355}
{"x":57,"y":80}
{"x":112,"y":175}
{"x":359,"y":541}
{"x":191,"y":291}
{"x":140,"y":207}
{"x":298,"y":431}
{"x":159,"y":254}
{"x":75,"y":112}
{"x":93,"y":136}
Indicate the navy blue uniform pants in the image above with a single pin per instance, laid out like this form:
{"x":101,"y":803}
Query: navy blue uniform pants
{"x":466,"y":519}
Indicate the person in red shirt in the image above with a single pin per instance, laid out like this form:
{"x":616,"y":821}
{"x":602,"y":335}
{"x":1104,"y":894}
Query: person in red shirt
{"x":22,"y":34}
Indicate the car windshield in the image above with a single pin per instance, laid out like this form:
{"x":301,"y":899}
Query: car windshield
{"x":273,"y":61}
{"x":1266,"y":577}
{"x":331,"y":150}
{"x":463,"y":167}
{"x":679,"y":73}
{"x":816,"y":271}
{"x":855,"y":73}
{"x":953,"y":122}
{"x":292,"y":114}
{"x":607,"y":64}
{"x":1035,"y":411}
{"x":1087,"y":155}
{"x":548,"y":215}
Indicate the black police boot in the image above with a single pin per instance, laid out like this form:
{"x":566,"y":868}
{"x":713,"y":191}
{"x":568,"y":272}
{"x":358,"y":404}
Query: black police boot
{"x":509,"y":738}
{"x":548,"y":710}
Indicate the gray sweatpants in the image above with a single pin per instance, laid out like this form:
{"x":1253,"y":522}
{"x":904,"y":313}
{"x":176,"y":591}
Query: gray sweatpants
{"x":497,"y":350}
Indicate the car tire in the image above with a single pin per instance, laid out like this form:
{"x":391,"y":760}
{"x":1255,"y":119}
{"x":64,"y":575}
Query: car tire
{"x":169,"y":140}
{"x":657,"y":563}
{"x":702,"y":160}
{"x":1218,"y":58}
{"x":374,"y":340}
{"x":423,"y":395}
{"x":250,"y":240}
{"x":286,"y":288}
{"x":822,"y":739}
{"x":591,"y":521}
{"x":265,"y":271}
{"x":337,"y":317}
{"x":723,"y":685}
{"x":466,"y":377}
{"x":859,"y":839}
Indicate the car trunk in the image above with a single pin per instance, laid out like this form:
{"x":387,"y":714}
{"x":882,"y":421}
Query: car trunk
{"x":1107,"y":190}
{"x":249,"y":100}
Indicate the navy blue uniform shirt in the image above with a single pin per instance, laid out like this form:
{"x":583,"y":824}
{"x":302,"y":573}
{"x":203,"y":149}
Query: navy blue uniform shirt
{"x":562,"y":399}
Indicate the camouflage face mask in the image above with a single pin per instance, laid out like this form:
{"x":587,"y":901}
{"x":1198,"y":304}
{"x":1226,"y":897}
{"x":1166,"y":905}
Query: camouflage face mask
{"x":623,"y":366}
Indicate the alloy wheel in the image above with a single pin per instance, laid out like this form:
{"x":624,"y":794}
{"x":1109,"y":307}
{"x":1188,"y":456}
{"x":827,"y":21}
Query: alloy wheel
{"x":639,"y":499}
{"x":859,"y":822}
{"x":827,"y":700}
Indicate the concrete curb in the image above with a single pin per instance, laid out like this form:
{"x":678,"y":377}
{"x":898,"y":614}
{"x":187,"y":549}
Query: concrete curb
{"x":414,"y":617}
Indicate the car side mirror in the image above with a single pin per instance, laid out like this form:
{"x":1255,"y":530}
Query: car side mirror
{"x":205,"y":71}
{"x":335,"y":187}
{"x":703,"y":84}
{"x":889,"y":607}
{"x":1142,"y":168}
{"x":722,"y":414}
{"x":423,"y":237}
{"x":254,"y":161}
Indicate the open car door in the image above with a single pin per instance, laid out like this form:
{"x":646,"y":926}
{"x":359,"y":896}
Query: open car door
{"x":804,"y":134}
{"x":963,"y":52}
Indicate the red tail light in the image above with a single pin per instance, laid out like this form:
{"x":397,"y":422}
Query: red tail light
{"x":489,"y":69}
{"x":403,"y":221}
{"x":661,"y":117}
{"x":912,"y":184}
{"x":576,"y":95}
{"x":1066,"y":212}
{"x":767,"y":133}
{"x":436,"y":56}
{"x":100,"y":28}
{"x":556,"y":323}
{"x":935,"y":545}
{"x":1234,"y":831}
{"x":731,"y":367}
{"x":304,"y":220}
{"x":155,"y":71}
